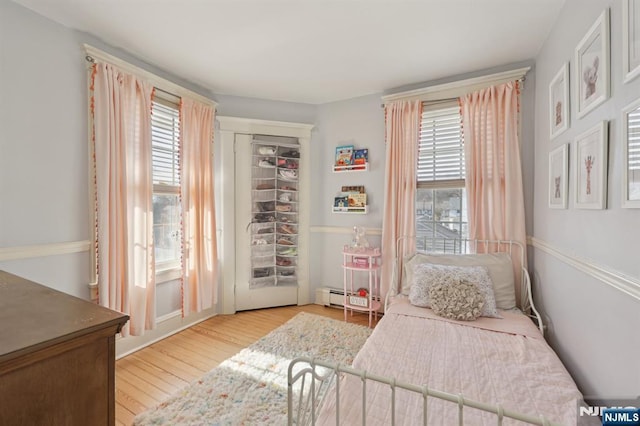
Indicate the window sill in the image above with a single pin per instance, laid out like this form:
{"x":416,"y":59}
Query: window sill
{"x":170,"y":274}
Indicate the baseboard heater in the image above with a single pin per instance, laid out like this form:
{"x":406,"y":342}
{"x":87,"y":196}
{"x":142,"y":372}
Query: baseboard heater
{"x":328,"y":296}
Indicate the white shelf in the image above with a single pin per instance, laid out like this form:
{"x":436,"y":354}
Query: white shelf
{"x":351,"y":168}
{"x":375,"y":306}
{"x":351,"y":210}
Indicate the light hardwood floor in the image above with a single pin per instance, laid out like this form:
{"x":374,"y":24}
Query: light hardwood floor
{"x":147,"y":377}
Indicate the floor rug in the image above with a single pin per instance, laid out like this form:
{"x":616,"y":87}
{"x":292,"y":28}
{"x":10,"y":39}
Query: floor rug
{"x":251,"y":387}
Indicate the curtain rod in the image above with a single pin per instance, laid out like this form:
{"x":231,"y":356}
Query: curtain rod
{"x":94,"y":54}
{"x":455,"y":89}
{"x":443,"y":100}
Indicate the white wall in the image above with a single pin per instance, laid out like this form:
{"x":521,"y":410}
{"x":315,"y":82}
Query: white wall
{"x":592,"y":326}
{"x":358,"y":122}
{"x":43,"y":146}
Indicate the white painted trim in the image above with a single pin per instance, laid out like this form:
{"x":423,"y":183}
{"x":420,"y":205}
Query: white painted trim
{"x":267,"y":127}
{"x":342,"y":230}
{"x":626,"y":202}
{"x":158,"y":82}
{"x":168,"y":275}
{"x":167,"y":325}
{"x":227,"y":128}
{"x":169,"y":316}
{"x":457,"y":88}
{"x":41,"y":250}
{"x":627,"y":16}
{"x":617,"y":280}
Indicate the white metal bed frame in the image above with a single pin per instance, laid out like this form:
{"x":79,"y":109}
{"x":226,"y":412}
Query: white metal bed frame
{"x":303,"y":408}
{"x":470,"y":246}
{"x":308,"y":404}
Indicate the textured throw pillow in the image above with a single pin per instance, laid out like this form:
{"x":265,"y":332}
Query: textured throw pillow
{"x":459,"y":301}
{"x":426,"y":275}
{"x":499,"y":265}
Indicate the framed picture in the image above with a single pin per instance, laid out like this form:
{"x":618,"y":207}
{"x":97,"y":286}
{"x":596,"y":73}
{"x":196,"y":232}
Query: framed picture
{"x":558,"y":177}
{"x":631,"y":154}
{"x":590,"y":153}
{"x":592,"y":66}
{"x":630,"y":39}
{"x":559,"y":102}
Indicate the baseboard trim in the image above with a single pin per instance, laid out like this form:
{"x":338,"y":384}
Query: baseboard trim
{"x":624,"y":283}
{"x":41,"y":250}
{"x":167,"y":325}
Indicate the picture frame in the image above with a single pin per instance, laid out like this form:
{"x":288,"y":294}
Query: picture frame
{"x":559,"y":177}
{"x":559,"y":102}
{"x":590,"y":165}
{"x":592,"y":78}
{"x":631,"y":155}
{"x":630,"y":39}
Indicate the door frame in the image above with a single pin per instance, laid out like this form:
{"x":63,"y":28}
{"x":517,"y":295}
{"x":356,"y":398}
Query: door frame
{"x":228,"y":128}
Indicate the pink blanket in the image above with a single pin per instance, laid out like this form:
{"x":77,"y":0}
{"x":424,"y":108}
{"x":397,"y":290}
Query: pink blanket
{"x":505,"y":361}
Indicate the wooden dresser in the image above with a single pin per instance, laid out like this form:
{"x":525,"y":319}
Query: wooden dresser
{"x":57,"y":357}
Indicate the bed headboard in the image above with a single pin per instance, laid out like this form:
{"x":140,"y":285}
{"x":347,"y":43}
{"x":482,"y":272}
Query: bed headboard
{"x":436,"y":245}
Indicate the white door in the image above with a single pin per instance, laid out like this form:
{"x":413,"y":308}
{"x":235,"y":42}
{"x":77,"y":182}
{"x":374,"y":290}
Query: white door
{"x":253,"y":291}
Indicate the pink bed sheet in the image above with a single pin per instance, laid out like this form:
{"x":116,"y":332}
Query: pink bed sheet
{"x":504,"y":361}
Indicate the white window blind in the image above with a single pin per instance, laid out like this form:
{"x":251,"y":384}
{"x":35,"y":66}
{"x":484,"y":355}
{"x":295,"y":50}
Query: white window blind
{"x":165,"y":153}
{"x":441,"y":150}
{"x":165,"y":140}
{"x":634,"y":143}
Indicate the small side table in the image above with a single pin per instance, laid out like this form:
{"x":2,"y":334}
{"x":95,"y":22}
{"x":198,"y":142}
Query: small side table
{"x":368,"y":261}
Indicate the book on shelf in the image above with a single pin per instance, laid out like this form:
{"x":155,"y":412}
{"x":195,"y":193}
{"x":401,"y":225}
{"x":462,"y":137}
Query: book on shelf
{"x":357,"y":200}
{"x":344,"y":155}
{"x":353,"y":188}
{"x":341,"y":202}
{"x":360,"y":158}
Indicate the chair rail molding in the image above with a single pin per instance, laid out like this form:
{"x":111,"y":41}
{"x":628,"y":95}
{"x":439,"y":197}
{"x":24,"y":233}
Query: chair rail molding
{"x":42,"y":250}
{"x":342,"y":230}
{"x":622,"y":282}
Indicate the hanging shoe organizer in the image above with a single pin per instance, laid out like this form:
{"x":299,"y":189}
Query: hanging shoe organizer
{"x":274,"y":226}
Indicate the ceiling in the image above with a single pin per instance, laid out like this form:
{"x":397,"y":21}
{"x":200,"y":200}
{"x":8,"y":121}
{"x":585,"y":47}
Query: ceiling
{"x":313,"y":51}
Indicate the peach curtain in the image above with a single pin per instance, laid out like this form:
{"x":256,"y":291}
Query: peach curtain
{"x":402,"y":131}
{"x":494,"y":173}
{"x":200,"y":256}
{"x":121,"y":107}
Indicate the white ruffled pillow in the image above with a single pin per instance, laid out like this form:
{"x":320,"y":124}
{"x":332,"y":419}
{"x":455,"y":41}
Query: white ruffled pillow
{"x":459,"y":301}
{"x":426,"y":275}
{"x":499,"y":265}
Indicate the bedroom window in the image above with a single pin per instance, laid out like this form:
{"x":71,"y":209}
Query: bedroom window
{"x":441,"y":204}
{"x":165,"y":144}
